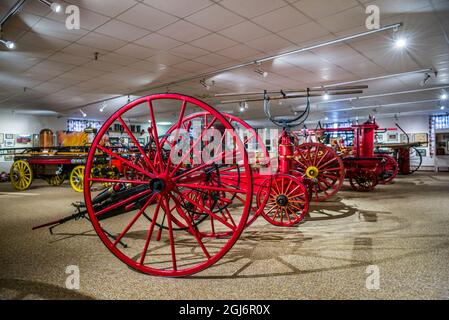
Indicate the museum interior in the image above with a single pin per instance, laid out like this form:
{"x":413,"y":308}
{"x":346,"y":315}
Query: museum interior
{"x":224,"y":149}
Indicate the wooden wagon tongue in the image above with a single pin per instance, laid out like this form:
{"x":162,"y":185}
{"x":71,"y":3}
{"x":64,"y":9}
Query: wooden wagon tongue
{"x":292,"y":93}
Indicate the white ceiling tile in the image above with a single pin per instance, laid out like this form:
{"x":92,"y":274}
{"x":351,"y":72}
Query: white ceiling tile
{"x":90,"y":20}
{"x":183,"y":31}
{"x":192,"y":66}
{"x":213,"y":59}
{"x":271,"y":44}
{"x":22,"y":20}
{"x":99,"y":41}
{"x":42,"y":41}
{"x":317,"y":9}
{"x":179,"y":8}
{"x":122,"y":31}
{"x":157,"y":41}
{"x":240,"y":51}
{"x":166,"y":58}
{"x":49,"y":87}
{"x":101,"y":66}
{"x":68,"y":58}
{"x":244,"y":32}
{"x":105,"y":7}
{"x":252,"y":8}
{"x":213,"y":42}
{"x":118,"y":59}
{"x":188,"y":51}
{"x":215,"y":18}
{"x":55,"y":29}
{"x":304,"y":33}
{"x":147,"y":17}
{"x":136,"y":51}
{"x":399,"y":6}
{"x":282,"y":18}
{"x":345,"y":20}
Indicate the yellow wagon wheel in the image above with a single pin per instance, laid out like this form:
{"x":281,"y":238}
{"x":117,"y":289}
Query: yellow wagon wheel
{"x":56,"y":180}
{"x":77,"y":178}
{"x":21,"y":175}
{"x":112,"y":173}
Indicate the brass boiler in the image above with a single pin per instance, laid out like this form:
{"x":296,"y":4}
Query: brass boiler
{"x":46,"y":138}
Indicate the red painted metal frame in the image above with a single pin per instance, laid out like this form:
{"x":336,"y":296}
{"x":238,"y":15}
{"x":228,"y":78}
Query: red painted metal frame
{"x":158,"y":171}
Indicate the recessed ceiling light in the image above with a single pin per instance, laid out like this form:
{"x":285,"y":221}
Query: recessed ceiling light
{"x":326,"y":96}
{"x":8,"y":44}
{"x":442,"y":107}
{"x":54,"y":6}
{"x":443,"y":96}
{"x":401,"y":43}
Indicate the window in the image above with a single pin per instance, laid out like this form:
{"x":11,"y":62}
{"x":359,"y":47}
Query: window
{"x":74,"y":125}
{"x":437,"y":123}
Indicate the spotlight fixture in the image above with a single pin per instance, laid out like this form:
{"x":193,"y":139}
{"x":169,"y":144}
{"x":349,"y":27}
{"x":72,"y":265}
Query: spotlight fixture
{"x":442,"y":107}
{"x":243,"y":106}
{"x":8,"y":44}
{"x":204,"y":84}
{"x":83,"y":113}
{"x":260,"y":71}
{"x":425,"y":80}
{"x":326,"y":96}
{"x":103,"y":107}
{"x":326,"y":118}
{"x":401,"y":43}
{"x":54,"y":6}
{"x":443,"y":96}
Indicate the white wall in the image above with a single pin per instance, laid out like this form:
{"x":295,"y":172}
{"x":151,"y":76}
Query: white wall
{"x":412,"y":124}
{"x":14,"y":123}
{"x":29,"y":124}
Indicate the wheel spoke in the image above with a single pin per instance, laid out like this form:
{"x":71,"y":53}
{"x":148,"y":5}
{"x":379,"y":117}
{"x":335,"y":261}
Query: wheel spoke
{"x":170,"y":231}
{"x":137,"y":144}
{"x":137,"y":216}
{"x":112,"y":154}
{"x":121,"y":203}
{"x":150,"y":232}
{"x":192,"y":230}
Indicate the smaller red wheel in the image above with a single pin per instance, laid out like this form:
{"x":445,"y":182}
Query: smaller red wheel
{"x":363,"y":180}
{"x":321,"y":167}
{"x":390,"y":169}
{"x":286,"y":200}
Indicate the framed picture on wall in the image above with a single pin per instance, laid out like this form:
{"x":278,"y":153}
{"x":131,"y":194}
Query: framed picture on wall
{"x":9,"y":136}
{"x":380,"y":137}
{"x":422,"y":138}
{"x":403,"y":138}
{"x":392,"y":137}
{"x":423,"y":152}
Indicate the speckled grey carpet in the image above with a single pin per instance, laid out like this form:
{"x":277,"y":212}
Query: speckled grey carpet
{"x":401,"y":229}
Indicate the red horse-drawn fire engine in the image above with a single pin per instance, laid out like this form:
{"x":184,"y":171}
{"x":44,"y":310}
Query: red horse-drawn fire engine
{"x":183,"y":199}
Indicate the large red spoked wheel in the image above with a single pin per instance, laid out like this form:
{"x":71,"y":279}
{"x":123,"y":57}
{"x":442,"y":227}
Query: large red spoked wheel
{"x":322,"y":167}
{"x":213,"y":200}
{"x":390,"y":169}
{"x":287,"y":202}
{"x":151,"y":213}
{"x":363,"y":180}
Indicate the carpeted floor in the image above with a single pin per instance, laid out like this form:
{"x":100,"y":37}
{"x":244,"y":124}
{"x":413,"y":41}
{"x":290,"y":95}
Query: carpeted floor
{"x":400,"y":230}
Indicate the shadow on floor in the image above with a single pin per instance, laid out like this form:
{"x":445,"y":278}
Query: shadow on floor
{"x":14,"y":289}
